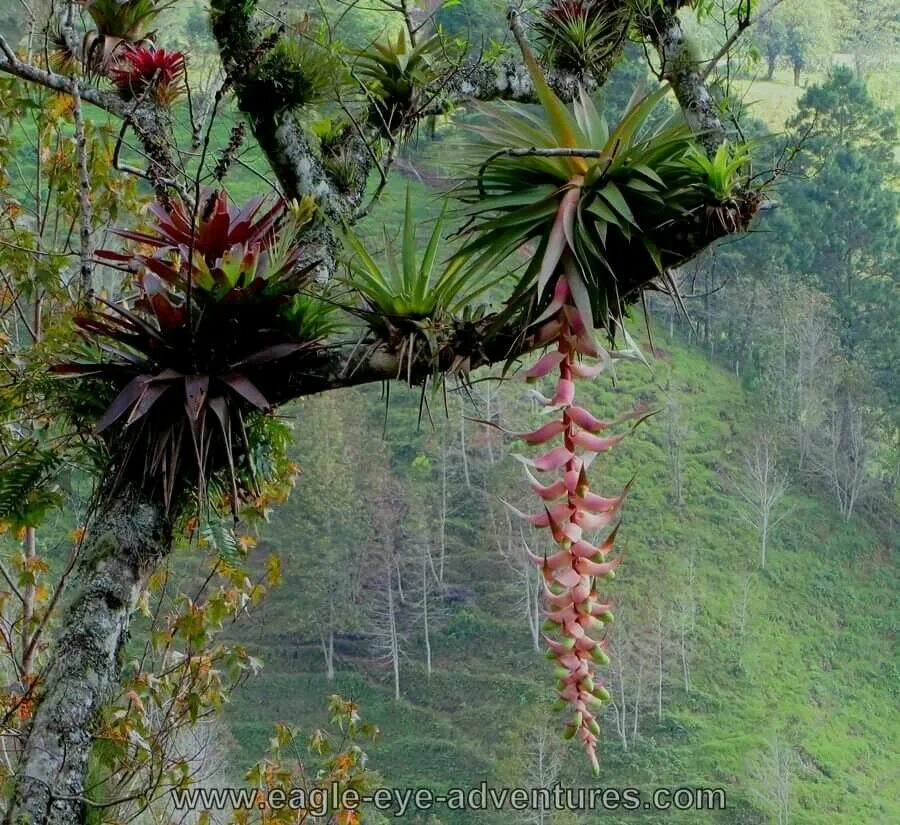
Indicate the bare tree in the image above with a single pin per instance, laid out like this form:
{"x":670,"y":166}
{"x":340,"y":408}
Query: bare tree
{"x":636,"y":651}
{"x":384,"y":615}
{"x":842,"y":457}
{"x":663,"y":647}
{"x":761,"y":488}
{"x":742,"y":614}
{"x":387,"y":613}
{"x":429,"y":602}
{"x":675,"y":434}
{"x":542,"y":754}
{"x":513,"y":547}
{"x":685,"y":620}
{"x":772,"y":779}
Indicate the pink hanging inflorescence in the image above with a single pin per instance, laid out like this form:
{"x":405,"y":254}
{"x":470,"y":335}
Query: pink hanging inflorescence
{"x":576,"y":616}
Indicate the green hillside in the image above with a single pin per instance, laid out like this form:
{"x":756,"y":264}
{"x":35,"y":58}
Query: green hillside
{"x":814,"y":670}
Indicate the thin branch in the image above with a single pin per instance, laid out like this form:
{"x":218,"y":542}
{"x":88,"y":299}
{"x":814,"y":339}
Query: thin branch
{"x":84,"y":195}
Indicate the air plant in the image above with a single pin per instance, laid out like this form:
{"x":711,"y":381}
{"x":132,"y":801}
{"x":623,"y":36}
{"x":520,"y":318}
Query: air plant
{"x":603,"y":209}
{"x":296,"y":71}
{"x":139,"y":72}
{"x":397,"y":76}
{"x":724,"y":173}
{"x":118,"y":23}
{"x":411,"y":301}
{"x":627,"y":201}
{"x":582,"y":35}
{"x":202,"y":346}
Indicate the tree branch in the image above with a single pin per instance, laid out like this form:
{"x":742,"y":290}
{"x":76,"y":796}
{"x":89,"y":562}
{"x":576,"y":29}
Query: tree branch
{"x":681,"y":68}
{"x":144,"y":118}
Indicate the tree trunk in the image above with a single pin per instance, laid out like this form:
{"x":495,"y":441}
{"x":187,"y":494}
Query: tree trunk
{"x":127,"y":538}
{"x":770,"y":68}
{"x":797,"y":70}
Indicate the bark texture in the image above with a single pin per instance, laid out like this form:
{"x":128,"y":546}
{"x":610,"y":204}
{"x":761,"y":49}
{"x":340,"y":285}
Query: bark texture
{"x":125,"y":542}
{"x":680,"y":66}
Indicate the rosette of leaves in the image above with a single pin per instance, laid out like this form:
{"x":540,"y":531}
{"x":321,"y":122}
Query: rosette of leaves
{"x":119,"y":22}
{"x":624,"y":203}
{"x":204,"y":344}
{"x":415,"y":302}
{"x":582,"y":36}
{"x":397,"y":76}
{"x":298,"y":70}
{"x":140,"y":72}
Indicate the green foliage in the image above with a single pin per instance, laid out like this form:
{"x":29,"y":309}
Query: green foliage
{"x":840,"y":113}
{"x":298,"y":70}
{"x":410,"y":288}
{"x":611,"y":205}
{"x":582,"y":36}
{"x":28,"y":485}
{"x":128,"y":19}
{"x":724,"y":172}
{"x":397,"y":75}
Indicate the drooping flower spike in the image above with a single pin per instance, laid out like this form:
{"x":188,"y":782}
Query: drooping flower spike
{"x":577,"y":615}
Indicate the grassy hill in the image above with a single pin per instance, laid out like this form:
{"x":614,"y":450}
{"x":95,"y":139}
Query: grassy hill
{"x":814,"y":673}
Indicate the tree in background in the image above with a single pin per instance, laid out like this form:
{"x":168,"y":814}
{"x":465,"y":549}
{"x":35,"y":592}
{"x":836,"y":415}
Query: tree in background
{"x":227,"y":311}
{"x":761,"y":489}
{"x":802,"y":34}
{"x":870,"y":30}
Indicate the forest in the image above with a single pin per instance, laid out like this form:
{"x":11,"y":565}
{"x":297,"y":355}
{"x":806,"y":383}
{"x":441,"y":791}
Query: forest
{"x":437,"y":394}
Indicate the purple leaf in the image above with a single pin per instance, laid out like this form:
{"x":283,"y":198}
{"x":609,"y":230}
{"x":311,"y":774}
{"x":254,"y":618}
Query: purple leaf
{"x":245,"y":388}
{"x":268,"y":354}
{"x":122,"y":403}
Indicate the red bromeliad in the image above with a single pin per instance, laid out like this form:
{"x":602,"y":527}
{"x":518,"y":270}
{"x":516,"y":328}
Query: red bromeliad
{"x":139,"y":70}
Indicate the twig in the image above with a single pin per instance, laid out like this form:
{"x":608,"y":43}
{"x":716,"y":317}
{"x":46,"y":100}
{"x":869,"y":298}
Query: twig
{"x":84,"y":195}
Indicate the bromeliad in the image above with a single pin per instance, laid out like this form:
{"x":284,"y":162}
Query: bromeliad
{"x":602,"y":211}
{"x":140,"y":72}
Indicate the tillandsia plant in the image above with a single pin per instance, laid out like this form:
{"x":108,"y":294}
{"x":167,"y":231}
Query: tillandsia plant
{"x":414,"y":302}
{"x":297,"y":70}
{"x":597,"y":202}
{"x":200,"y":349}
{"x":582,"y":35}
{"x":139,"y":72}
{"x":397,"y":75}
{"x":118,"y":23}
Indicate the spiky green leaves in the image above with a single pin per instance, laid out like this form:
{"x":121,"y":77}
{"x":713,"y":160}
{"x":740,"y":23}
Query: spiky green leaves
{"x":604,"y":204}
{"x":621,"y":201}
{"x":411,"y":286}
{"x":582,"y":36}
{"x":119,"y":23}
{"x":298,"y":70}
{"x":725,"y":172}
{"x":397,"y":75}
{"x":128,"y":19}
